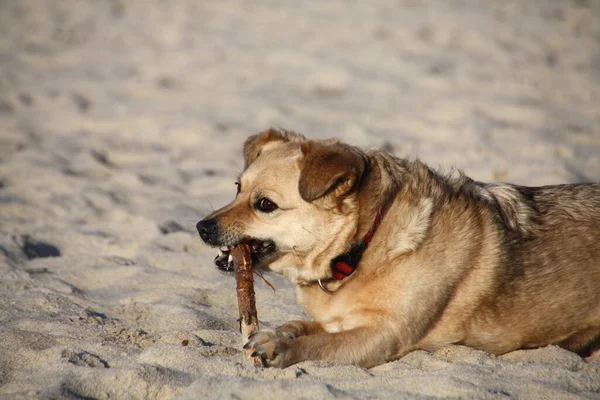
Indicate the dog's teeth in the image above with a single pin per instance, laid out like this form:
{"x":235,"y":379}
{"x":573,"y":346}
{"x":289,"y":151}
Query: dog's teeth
{"x":230,"y":259}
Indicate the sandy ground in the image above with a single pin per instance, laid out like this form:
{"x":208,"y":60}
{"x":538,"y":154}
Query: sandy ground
{"x":121,"y":124}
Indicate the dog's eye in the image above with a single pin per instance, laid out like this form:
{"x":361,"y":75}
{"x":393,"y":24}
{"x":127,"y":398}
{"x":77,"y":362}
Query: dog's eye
{"x":265,"y":205}
{"x":239,"y":187}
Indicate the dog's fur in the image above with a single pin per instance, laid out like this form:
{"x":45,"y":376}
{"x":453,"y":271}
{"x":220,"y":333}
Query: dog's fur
{"x":497,"y":267}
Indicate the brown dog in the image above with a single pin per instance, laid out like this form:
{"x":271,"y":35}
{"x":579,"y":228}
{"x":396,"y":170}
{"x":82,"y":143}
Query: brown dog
{"x":390,"y":256}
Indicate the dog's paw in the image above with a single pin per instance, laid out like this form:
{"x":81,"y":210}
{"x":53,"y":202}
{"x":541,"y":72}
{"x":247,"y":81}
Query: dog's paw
{"x":273,"y":346}
{"x":265,"y":335}
{"x":276,"y":352}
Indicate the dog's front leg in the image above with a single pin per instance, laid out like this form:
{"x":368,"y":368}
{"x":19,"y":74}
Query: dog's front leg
{"x":295,"y":329}
{"x":365,"y":346}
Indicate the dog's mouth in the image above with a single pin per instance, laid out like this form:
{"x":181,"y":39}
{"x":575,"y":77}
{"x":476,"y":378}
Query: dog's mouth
{"x":259,"y":249}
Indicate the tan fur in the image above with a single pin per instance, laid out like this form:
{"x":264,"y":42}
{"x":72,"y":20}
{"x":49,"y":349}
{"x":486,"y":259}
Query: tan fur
{"x":493,"y":266}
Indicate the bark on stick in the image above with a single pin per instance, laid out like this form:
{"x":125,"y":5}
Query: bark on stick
{"x":242,"y":259}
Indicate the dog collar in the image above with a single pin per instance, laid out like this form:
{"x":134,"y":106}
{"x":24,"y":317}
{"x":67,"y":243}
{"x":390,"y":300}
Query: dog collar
{"x":345,"y":264}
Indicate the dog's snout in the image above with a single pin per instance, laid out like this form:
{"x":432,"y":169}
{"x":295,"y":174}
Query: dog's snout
{"x":208,"y":229}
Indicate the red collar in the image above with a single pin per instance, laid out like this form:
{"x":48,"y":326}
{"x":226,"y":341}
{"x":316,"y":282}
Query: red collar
{"x":345,"y":264}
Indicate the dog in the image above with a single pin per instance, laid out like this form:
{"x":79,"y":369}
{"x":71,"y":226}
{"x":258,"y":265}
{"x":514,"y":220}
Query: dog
{"x":389,"y":256}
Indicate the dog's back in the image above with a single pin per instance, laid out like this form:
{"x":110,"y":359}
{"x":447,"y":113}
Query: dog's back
{"x":550,"y":291}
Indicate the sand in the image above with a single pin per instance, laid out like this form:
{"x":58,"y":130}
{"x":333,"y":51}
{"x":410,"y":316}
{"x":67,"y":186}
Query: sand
{"x":121,"y":125}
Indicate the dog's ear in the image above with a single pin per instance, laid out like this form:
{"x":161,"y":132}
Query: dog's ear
{"x":254,"y":144}
{"x":329,"y":169}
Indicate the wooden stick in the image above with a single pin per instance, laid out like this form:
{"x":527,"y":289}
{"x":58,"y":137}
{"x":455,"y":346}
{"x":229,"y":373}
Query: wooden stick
{"x":242,"y":260}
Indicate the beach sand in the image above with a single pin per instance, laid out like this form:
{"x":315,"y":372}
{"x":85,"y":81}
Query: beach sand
{"x":121,"y":126}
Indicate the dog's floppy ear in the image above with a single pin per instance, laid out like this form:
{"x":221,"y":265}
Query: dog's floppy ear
{"x":254,"y":144}
{"x":329,"y":169}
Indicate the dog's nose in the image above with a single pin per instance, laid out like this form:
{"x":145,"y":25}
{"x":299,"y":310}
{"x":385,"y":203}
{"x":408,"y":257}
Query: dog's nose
{"x":207,"y":229}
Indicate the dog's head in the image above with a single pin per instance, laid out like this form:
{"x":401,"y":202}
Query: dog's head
{"x":296,"y":206}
